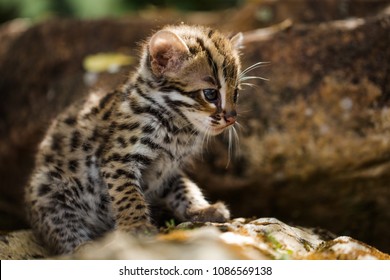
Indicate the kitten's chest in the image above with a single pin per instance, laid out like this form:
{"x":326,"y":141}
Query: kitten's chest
{"x":158,"y":172}
{"x":174,"y":145}
{"x":172,"y":158}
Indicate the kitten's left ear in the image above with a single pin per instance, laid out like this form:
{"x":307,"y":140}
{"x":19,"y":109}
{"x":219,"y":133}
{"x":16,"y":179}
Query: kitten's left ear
{"x":237,"y":41}
{"x":167,"y":52}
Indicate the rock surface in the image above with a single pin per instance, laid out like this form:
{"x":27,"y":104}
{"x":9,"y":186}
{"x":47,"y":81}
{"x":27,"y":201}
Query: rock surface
{"x":265,"y":238}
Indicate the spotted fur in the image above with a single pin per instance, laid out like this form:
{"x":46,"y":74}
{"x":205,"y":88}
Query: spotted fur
{"x":106,"y":160}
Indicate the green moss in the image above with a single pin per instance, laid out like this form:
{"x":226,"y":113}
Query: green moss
{"x":285,"y":254}
{"x":170,"y":225}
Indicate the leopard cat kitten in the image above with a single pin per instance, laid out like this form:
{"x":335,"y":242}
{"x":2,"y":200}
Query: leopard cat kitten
{"x":105,"y":160}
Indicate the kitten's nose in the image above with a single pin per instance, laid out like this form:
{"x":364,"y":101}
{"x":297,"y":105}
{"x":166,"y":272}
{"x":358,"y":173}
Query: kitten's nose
{"x":230,"y":117}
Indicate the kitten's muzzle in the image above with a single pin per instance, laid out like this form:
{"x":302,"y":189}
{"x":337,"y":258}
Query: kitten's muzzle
{"x":230,"y":117}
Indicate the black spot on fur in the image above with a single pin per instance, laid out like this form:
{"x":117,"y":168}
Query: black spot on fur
{"x":133,"y":139}
{"x":106,"y":115}
{"x":121,"y":141}
{"x":78,"y":182}
{"x":114,"y":157}
{"x":100,"y":150}
{"x":131,"y":191}
{"x":87,"y":147}
{"x":90,"y":189}
{"x":73,"y":165}
{"x":56,"y":142}
{"x":111,"y":128}
{"x":59,"y":197}
{"x":70,"y":121}
{"x":69,"y":215}
{"x":94,"y":111}
{"x":54,"y":174}
{"x":124,"y":173}
{"x":75,"y":140}
{"x":140,"y":206}
{"x":104,"y":101}
{"x":43,"y":189}
{"x":144,"y":160}
{"x":167,"y":139}
{"x":123,"y":199}
{"x":127,"y":206}
{"x":49,"y":159}
{"x":148,"y":129}
{"x":128,"y":126}
{"x":121,"y":188}
{"x":95,"y":135}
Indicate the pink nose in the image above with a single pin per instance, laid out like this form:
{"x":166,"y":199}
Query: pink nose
{"x":230,"y":117}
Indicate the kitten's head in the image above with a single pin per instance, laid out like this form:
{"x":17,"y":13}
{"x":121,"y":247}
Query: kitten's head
{"x":199,"y":68}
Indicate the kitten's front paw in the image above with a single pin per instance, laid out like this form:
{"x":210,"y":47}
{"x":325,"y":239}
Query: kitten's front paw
{"x":217,"y":213}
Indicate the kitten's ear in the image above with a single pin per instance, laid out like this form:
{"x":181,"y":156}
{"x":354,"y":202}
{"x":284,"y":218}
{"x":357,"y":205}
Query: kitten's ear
{"x":167,"y":52}
{"x":237,"y":41}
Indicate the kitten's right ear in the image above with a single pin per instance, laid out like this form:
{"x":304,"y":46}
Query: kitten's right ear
{"x":167,"y":52}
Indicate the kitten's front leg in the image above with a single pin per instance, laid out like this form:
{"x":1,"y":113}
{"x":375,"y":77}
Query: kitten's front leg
{"x":186,"y":200}
{"x":128,"y":202}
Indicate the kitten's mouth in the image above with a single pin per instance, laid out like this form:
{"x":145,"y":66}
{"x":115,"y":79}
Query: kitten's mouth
{"x":210,"y":129}
{"x":219,"y":129}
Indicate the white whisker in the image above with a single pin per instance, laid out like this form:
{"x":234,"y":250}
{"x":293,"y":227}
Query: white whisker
{"x":253,"y":77}
{"x":229,"y":147}
{"x":233,"y":144}
{"x":252,"y":67}
{"x":239,"y":126}
{"x":249,"y":85}
{"x":237,"y":142}
{"x":205,"y":139}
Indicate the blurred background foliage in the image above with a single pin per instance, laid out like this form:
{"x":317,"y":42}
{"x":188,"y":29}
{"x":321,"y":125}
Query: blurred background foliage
{"x":42,"y":9}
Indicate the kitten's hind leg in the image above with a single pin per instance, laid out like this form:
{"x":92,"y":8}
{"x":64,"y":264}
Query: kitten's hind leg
{"x":60,"y":228}
{"x":185,"y":199}
{"x":63,"y":218}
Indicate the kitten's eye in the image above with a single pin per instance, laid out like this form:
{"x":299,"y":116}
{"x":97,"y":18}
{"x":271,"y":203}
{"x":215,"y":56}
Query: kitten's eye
{"x":211,"y":94}
{"x":235,"y":96}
